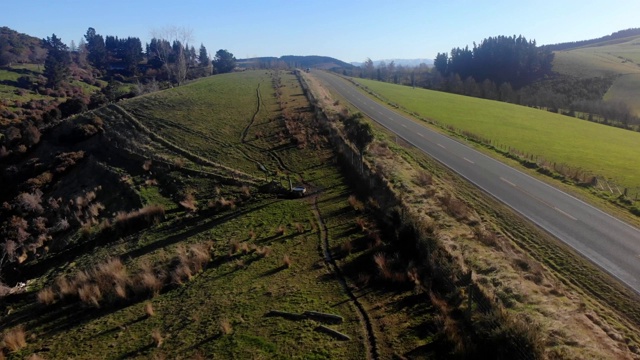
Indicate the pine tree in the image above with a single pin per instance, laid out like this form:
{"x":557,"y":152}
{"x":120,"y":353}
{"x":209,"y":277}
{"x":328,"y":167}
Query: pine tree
{"x":56,"y":65}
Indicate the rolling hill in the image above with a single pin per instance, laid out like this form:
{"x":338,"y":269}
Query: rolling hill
{"x":616,"y":57}
{"x":312,"y":61}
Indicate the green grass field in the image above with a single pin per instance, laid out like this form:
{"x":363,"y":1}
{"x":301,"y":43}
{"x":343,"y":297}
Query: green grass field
{"x":220,"y":312}
{"x":619,"y":58}
{"x":599,"y":149}
{"x":209,"y":117}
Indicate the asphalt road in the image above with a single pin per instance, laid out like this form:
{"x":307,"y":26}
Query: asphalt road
{"x":608,"y":242}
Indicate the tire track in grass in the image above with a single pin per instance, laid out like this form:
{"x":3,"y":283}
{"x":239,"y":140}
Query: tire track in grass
{"x":371,"y":344}
{"x":243,"y":140}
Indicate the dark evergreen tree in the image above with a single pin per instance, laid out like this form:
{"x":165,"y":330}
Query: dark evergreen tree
{"x":56,"y":65}
{"x":224,"y":61}
{"x":97,"y":51}
{"x":203,"y":57}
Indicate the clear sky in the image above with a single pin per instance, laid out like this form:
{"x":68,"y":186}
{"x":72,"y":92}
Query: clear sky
{"x":347,"y":30}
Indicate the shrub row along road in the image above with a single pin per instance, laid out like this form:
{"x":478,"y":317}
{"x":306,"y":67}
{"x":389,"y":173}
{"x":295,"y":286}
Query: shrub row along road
{"x":608,"y":242}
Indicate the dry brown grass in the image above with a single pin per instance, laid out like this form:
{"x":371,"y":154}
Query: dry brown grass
{"x":225,"y":326}
{"x":280,"y":230}
{"x":454,"y":207}
{"x":189,"y":203}
{"x":423,"y":178}
{"x":111,"y":277}
{"x":90,"y":294}
{"x":381,"y":262}
{"x":362,"y":224}
{"x":356,"y":204}
{"x":347,"y":247}
{"x":252,"y":234}
{"x":46,"y":296}
{"x":156,"y":335}
{"x":299,"y":227}
{"x":15,"y":339}
{"x":148,"y":282}
{"x":147,"y":165}
{"x":199,"y":256}
{"x":286,"y":260}
{"x":263,"y":251}
{"x":148,"y":309}
{"x":65,"y":286}
{"x":234,"y":246}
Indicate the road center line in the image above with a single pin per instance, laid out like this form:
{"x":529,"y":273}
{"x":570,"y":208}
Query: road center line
{"x":468,"y":160}
{"x":507,"y":181}
{"x":565,"y":214}
{"x":404,"y":126}
{"x":419,"y":134}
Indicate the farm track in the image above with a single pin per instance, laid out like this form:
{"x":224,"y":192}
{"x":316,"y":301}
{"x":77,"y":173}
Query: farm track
{"x":193,"y":157}
{"x":243,"y":140}
{"x":371,"y":343}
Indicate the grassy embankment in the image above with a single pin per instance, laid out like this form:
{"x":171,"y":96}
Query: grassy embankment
{"x":263,"y":251}
{"x":531,"y":274}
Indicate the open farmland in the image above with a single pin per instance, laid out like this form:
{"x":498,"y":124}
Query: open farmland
{"x":598,"y":149}
{"x":619,"y":58}
{"x":202,"y":279}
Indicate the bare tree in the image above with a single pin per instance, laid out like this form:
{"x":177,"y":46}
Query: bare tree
{"x":173,"y":34}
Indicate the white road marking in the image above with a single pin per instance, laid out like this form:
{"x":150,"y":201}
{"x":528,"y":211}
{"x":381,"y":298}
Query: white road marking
{"x":441,"y":146}
{"x":565,"y":214}
{"x":507,"y":181}
{"x":404,"y":126}
{"x":419,"y":134}
{"x":468,"y":160}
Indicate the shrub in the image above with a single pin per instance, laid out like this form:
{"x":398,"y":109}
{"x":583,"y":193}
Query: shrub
{"x":90,"y":294}
{"x":380,"y":260}
{"x":148,"y":282}
{"x":225,"y":326}
{"x":148,"y":309}
{"x":286,"y":260}
{"x":65,"y":287}
{"x":423,"y":178}
{"x":263,"y":251}
{"x":356,"y":204}
{"x":30,"y":202}
{"x":189,"y":203}
{"x":15,"y":339}
{"x":150,"y":214}
{"x":46,"y":296}
{"x":157,"y":337}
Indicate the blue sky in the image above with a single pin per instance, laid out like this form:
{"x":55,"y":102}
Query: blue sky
{"x":347,"y":30}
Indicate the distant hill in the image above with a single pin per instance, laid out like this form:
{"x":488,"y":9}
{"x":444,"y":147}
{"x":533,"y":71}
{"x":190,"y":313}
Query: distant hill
{"x":16,"y":47}
{"x":615,"y":57}
{"x":609,"y":39}
{"x":312,"y":61}
{"x":402,"y":62}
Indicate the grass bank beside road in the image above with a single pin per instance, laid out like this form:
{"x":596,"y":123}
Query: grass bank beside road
{"x":601,"y":150}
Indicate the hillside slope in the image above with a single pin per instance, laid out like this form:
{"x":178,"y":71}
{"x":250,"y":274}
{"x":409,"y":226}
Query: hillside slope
{"x":619,"y":58}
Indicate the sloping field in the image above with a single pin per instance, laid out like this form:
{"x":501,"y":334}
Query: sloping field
{"x":619,"y":58}
{"x":599,"y":149}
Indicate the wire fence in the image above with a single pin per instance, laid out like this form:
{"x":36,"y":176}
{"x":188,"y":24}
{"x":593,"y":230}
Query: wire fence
{"x":478,"y":304}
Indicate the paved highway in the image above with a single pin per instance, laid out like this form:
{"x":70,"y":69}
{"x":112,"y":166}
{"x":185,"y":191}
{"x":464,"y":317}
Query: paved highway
{"x":605,"y":240}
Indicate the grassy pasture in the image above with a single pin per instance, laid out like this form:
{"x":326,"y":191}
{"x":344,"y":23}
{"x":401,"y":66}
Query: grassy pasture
{"x":209,"y":117}
{"x":599,"y":149}
{"x":220,"y":312}
{"x":614,"y":58}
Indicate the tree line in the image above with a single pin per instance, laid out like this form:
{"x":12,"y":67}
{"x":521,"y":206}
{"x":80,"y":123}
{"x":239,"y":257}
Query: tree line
{"x":510,"y":69}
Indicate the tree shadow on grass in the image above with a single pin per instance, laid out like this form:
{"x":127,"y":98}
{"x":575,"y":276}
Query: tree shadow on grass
{"x":173,"y":239}
{"x":273,"y":271}
{"x":141,"y":351}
